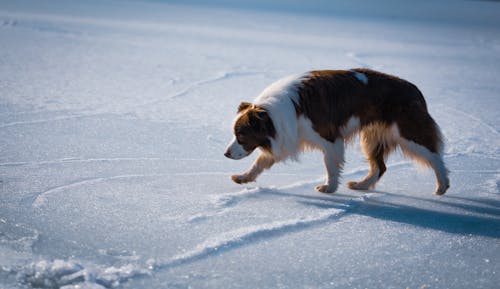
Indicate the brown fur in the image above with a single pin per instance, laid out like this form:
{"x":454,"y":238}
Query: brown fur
{"x":329,"y":98}
{"x":254,"y":127}
{"x":387,"y":112}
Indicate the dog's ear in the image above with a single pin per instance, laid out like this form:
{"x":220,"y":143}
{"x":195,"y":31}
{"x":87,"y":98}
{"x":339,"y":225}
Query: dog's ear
{"x":243,"y":106}
{"x":261,"y":113}
{"x":260,"y":120}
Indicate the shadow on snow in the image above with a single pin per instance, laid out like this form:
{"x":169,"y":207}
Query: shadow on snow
{"x":480,"y":217}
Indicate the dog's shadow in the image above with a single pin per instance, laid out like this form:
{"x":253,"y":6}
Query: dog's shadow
{"x":457,"y":215}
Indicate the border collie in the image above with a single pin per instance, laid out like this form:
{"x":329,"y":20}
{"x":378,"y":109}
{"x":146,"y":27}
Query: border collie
{"x":325,"y":108}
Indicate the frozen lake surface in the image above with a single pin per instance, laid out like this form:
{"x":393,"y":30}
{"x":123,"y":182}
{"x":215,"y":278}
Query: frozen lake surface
{"x":114,"y":117}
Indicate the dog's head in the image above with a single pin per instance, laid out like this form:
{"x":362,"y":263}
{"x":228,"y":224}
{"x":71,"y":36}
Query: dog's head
{"x":253,"y":128}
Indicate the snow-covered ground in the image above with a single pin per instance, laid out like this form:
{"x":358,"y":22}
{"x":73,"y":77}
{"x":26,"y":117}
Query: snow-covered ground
{"x":114,"y":117}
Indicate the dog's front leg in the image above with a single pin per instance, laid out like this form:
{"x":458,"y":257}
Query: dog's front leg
{"x":334,"y":161}
{"x":261,"y":163}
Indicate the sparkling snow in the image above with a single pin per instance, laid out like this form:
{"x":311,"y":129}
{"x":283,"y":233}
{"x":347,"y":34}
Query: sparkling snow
{"x":114,"y":117}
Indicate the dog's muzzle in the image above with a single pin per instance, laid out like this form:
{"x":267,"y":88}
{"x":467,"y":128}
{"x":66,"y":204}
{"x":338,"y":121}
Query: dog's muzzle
{"x":235,"y":151}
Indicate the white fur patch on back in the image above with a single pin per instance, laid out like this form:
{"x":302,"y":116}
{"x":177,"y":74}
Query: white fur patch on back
{"x":360,"y":76}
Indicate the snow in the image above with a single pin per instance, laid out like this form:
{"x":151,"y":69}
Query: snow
{"x":114,"y":117}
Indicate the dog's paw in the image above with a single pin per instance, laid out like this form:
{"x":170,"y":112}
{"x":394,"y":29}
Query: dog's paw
{"x":326,"y":189}
{"x":241,"y":179}
{"x":357,"y":186}
{"x":441,"y":190}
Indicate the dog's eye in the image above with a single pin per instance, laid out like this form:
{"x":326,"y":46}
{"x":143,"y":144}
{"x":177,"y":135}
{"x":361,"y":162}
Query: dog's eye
{"x":240,"y":132}
{"x":240,"y":138}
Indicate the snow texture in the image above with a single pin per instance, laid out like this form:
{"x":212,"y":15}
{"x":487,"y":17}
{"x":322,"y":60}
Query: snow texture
{"x":114,"y":117}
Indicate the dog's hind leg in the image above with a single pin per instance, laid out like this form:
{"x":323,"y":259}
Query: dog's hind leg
{"x":377,"y":169}
{"x":377,"y":141}
{"x":421,"y":139}
{"x":425,"y":156}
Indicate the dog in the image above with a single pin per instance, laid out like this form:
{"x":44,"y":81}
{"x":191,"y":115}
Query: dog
{"x":323,"y":110}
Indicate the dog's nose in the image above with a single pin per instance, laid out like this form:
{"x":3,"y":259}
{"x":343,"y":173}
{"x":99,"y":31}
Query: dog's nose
{"x":227,"y":154}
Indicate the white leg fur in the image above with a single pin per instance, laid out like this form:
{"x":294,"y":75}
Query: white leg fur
{"x":428,"y":158}
{"x":262,"y":162}
{"x":334,"y":160}
{"x":333,"y":153}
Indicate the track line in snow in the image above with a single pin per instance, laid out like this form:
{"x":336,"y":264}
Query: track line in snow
{"x":199,"y":83}
{"x":74,"y":160}
{"x":90,"y":160}
{"x":39,"y":121}
{"x":37,"y":111}
{"x":474,"y":118}
{"x":222,"y":204}
{"x":41,"y":198}
{"x":249,"y":235}
{"x":231,"y":199}
{"x":246,"y":236}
